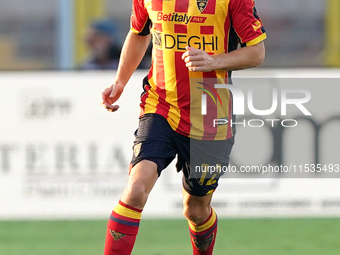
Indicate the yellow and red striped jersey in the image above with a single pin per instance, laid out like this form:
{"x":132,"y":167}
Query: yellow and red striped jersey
{"x":171,"y":90}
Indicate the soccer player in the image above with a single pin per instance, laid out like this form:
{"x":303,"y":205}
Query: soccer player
{"x":196,"y":44}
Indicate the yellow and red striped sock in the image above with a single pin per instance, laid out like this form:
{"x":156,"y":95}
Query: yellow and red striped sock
{"x":122,"y":230}
{"x":203,"y":236}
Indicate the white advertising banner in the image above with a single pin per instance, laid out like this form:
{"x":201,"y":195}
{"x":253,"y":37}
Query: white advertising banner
{"x":62,"y":155}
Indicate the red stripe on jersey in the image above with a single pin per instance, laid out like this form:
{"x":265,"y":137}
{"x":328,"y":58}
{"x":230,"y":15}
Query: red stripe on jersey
{"x":181,"y":29}
{"x":182,"y":5}
{"x":158,"y":27}
{"x":207,"y":30}
{"x":162,"y":106}
{"x":210,"y":79}
{"x":183,"y":94}
{"x":157,"y":5}
{"x":211,"y":7}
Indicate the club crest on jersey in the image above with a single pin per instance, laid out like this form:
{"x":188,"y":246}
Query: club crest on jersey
{"x":202,"y":4}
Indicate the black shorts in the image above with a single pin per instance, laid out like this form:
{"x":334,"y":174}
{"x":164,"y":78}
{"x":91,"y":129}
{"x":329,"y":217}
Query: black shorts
{"x":201,"y":161}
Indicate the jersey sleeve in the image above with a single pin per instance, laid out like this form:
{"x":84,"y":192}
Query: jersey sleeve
{"x":140,"y":22}
{"x":246,"y":22}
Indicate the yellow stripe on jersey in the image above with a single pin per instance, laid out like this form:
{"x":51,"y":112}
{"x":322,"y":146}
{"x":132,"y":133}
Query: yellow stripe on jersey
{"x":196,"y":118}
{"x":126,"y":212}
{"x":257,"y":40}
{"x":152,"y":100}
{"x":174,"y":115}
{"x":134,"y":30}
{"x":223,"y":111}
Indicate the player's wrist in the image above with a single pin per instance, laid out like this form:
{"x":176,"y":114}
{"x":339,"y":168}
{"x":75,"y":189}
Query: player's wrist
{"x":217,"y":62}
{"x":119,"y":84}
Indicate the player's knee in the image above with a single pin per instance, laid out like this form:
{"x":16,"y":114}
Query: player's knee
{"x":195,"y":213}
{"x":187,"y":212}
{"x":135,"y":195}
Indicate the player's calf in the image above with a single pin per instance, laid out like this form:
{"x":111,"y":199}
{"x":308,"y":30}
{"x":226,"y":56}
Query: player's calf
{"x":203,"y":236}
{"x":123,"y":225}
{"x":122,"y":229}
{"x":202,"y":223}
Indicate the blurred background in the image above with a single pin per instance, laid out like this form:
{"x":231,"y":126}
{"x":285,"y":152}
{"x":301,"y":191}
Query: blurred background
{"x":64,"y":158}
{"x":51,"y":34}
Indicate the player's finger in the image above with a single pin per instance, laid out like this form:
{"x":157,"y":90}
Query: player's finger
{"x":113,"y":92}
{"x":188,"y":48}
{"x":199,"y":69}
{"x":193,"y":51}
{"x":190,"y":52}
{"x":185,"y":55}
{"x":105,"y":94}
{"x":105,"y":104}
{"x":192,"y":58}
{"x":192,"y":68}
{"x":194,"y":63}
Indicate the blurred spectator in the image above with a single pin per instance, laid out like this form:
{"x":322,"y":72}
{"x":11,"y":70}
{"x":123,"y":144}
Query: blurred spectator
{"x":102,"y":40}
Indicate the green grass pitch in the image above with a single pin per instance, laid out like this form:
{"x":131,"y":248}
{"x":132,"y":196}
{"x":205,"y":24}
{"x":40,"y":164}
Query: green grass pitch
{"x":169,"y":237}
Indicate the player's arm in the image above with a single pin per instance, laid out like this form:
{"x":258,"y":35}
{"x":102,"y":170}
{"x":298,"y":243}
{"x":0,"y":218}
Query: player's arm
{"x":248,"y":26}
{"x":200,"y":61}
{"x":132,"y":54}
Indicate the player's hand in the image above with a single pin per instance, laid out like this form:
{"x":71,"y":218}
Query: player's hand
{"x":110,"y":95}
{"x":198,"y":60}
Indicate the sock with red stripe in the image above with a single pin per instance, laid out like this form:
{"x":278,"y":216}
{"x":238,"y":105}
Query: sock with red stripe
{"x":203,"y":236}
{"x":122,"y":230}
